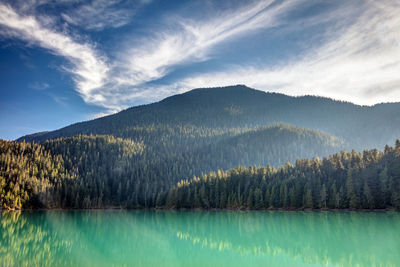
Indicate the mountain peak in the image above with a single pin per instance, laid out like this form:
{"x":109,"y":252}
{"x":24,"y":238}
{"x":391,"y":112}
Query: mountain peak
{"x":227,"y":95}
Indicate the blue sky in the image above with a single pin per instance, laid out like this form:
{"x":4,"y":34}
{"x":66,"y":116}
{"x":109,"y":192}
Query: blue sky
{"x":64,"y":61}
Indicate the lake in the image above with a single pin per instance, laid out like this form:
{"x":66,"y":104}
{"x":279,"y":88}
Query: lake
{"x":199,"y":238}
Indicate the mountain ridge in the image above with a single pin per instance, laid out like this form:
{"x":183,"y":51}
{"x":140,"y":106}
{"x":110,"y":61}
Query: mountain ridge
{"x":240,"y":106}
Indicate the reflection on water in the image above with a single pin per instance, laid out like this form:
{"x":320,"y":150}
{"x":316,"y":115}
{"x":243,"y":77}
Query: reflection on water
{"x":168,"y":238}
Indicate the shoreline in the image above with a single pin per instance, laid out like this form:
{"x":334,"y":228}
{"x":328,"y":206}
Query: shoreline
{"x":201,"y":209}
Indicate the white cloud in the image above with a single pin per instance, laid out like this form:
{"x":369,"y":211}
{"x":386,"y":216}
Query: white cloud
{"x":39,"y":86}
{"x":99,"y":14}
{"x":87,"y":65}
{"x":60,"y":100}
{"x":93,"y":15}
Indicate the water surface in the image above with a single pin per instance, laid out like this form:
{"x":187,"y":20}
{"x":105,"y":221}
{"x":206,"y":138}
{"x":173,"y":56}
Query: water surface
{"x":198,"y":238}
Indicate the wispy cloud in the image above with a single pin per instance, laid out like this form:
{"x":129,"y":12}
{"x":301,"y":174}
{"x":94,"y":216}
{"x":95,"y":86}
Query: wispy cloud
{"x":93,"y":15}
{"x":60,"y":100}
{"x":88,"y":66}
{"x":100,"y":14}
{"x":39,"y":86}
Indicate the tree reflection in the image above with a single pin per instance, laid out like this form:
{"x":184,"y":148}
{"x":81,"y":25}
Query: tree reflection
{"x":346,"y":239}
{"x":27,"y":240}
{"x":171,"y":238}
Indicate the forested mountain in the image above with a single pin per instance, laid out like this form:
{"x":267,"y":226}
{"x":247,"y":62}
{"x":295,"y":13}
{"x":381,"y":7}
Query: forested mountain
{"x":214,"y":111}
{"x":135,"y":158}
{"x":368,"y":180}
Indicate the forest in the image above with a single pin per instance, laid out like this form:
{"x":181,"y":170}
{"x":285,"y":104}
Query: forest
{"x":104,"y":172}
{"x":368,"y":180}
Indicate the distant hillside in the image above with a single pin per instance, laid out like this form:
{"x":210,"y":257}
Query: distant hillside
{"x":273,"y":145}
{"x":242,"y":107}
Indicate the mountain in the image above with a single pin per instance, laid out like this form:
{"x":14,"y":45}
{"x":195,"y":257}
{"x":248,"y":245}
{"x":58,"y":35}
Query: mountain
{"x":237,"y":107}
{"x":135,"y":158}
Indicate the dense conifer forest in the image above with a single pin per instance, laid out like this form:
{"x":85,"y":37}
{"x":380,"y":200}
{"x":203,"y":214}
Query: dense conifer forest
{"x":368,"y":180}
{"x":147,"y":156}
{"x":103,"y":171}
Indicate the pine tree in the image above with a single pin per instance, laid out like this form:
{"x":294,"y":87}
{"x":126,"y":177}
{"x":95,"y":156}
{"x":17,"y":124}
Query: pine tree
{"x":323,"y":197}
{"x":369,"y":202}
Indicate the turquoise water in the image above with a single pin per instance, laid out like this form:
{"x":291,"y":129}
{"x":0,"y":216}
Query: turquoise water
{"x":198,"y":238}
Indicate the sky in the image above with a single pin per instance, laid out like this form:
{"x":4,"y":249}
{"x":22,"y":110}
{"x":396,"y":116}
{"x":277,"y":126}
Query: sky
{"x":65,"y":61}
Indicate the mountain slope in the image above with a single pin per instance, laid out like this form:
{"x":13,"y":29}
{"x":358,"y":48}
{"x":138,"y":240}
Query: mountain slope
{"x":272,"y":145}
{"x":238,"y":107}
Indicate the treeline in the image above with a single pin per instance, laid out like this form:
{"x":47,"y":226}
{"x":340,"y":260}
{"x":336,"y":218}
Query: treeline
{"x":368,"y":180}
